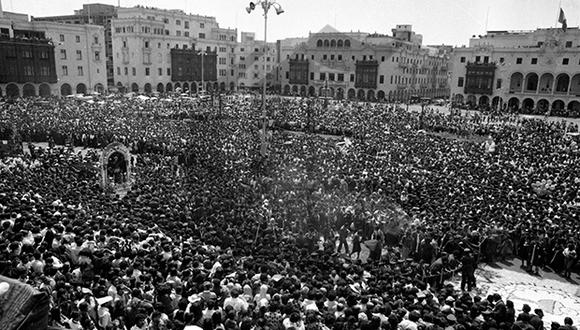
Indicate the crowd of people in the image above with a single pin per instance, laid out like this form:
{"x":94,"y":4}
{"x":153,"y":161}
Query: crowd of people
{"x":213,"y":235}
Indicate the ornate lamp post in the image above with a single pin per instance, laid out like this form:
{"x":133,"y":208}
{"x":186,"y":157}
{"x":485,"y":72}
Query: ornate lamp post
{"x":266,"y":5}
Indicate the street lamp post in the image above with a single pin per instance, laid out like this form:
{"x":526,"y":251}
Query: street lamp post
{"x":266,"y":5}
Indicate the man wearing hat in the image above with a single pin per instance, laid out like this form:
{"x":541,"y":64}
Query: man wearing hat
{"x":467,"y":270}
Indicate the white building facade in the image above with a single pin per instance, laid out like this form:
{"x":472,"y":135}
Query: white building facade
{"x":536,"y":72}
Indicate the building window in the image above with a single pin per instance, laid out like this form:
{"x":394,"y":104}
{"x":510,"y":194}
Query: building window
{"x":311,"y":75}
{"x":501,"y":60}
{"x":331,"y":76}
{"x":382,"y":58}
{"x":97,"y":56}
{"x":486,"y":59}
{"x":146,"y":44}
{"x":332,"y":57}
{"x":353,"y":58}
{"x":78,"y":39}
{"x":44,"y":71}
{"x":178,"y":33}
{"x":118,"y":71}
{"x":147,"y":71}
{"x":80,"y":71}
{"x":519,"y":60}
{"x":202,"y":36}
{"x":391,"y":79}
{"x":498,"y":84}
{"x":168,"y":71}
{"x":287,"y":75}
{"x":322,"y":76}
{"x":565,"y":61}
{"x":96,"y":40}
{"x":27,"y":53}
{"x":79,"y":55}
{"x":177,"y":22}
{"x":201,"y":25}
{"x":477,"y":59}
{"x":126,"y":71}
{"x":339,"y":57}
{"x":460,"y":82}
{"x":351,"y":75}
{"x":381,"y":79}
{"x":222,"y":61}
{"x":65,"y":70}
{"x":134,"y":71}
{"x":324,"y":57}
{"x":61,"y":38}
{"x":28,"y":70}
{"x":340,"y":77}
{"x":159,"y":71}
{"x":63,"y":54}
{"x":462,"y":59}
{"x":186,"y":24}
{"x":568,"y":44}
{"x":534,"y":60}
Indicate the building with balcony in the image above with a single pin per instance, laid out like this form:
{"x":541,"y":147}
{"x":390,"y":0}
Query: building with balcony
{"x":364,"y":66}
{"x":143,"y":42}
{"x":96,"y":14}
{"x":46,"y":58}
{"x":250,"y":63}
{"x":530,"y":71}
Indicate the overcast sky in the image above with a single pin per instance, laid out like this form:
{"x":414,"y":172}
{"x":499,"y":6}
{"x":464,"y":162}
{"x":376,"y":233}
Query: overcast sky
{"x":439,"y":21}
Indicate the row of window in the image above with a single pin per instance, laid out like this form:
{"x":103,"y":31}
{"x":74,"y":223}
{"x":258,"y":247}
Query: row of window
{"x":29,"y":70}
{"x":79,"y":54}
{"x":80,"y":70}
{"x":333,"y":43}
{"x":78,"y":39}
{"x":147,"y":71}
{"x":461,"y":81}
{"x":338,"y":57}
{"x":519,"y":60}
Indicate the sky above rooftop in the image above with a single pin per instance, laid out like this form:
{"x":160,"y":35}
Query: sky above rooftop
{"x":439,"y":21}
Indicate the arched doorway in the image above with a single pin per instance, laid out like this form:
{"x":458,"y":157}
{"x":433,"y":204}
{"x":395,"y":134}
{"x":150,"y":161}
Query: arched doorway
{"x":471,"y":100}
{"x":232,"y":86}
{"x":28,"y":90}
{"x":575,"y":85}
{"x":120,"y":88}
{"x":215,"y":86}
{"x":516,"y":82}
{"x":160,"y":88}
{"x":81,"y":88}
{"x":562,"y":83}
{"x":531,"y":84}
{"x":496,"y":102}
{"x":484,"y":101}
{"x":99,"y":88}
{"x":311,"y":91}
{"x":527,"y":105}
{"x":543,"y":106}
{"x":558,"y":106}
{"x":381,"y":95}
{"x":65,"y":90}
{"x":178,"y":85}
{"x":286,"y":90}
{"x":44,"y":90}
{"x":371,"y":95}
{"x":222,"y":86}
{"x":514,"y":103}
{"x":339,"y":93}
{"x":134,"y":88}
{"x":294,"y":90}
{"x":194,"y":87}
{"x":361,"y":95}
{"x":12,"y":91}
{"x":185,"y":87}
{"x":168,"y":87}
{"x":351,"y":93}
{"x":546,"y":83}
{"x":147,"y":88}
{"x":302,"y":90}
{"x":574,"y":108}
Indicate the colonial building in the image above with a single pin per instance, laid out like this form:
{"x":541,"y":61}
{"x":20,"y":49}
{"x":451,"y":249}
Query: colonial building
{"x":532,"y":71}
{"x":96,"y":14}
{"x":145,"y":43}
{"x":250,"y":62}
{"x":46,"y":58}
{"x":364,"y":66}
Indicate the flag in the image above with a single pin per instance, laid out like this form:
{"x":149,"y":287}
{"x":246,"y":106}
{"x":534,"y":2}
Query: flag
{"x":562,"y":19}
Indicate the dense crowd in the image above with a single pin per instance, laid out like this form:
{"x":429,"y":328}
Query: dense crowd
{"x":214,"y":236}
